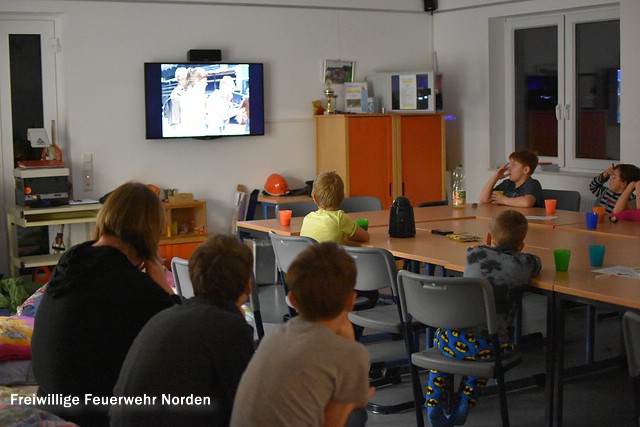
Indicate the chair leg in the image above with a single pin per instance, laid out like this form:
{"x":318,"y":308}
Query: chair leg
{"x":499,"y":375}
{"x":411,"y":344}
{"x":418,"y":397}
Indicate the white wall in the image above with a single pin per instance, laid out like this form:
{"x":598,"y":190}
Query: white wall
{"x":464,"y":58}
{"x":104,"y":46}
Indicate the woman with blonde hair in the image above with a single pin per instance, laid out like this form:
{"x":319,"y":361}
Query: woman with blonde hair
{"x":100,"y":295}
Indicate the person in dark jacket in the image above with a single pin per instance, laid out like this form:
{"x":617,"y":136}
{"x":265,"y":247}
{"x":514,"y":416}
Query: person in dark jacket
{"x":100,"y":295}
{"x":187,"y":361}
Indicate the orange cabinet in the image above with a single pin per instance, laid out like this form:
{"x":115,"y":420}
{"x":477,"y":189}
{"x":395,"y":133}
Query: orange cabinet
{"x":384,"y":155}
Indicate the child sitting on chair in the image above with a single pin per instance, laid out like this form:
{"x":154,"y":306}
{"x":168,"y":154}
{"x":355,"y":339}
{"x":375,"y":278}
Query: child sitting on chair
{"x":620,"y":210}
{"x":328,"y":223}
{"x":519,"y":189}
{"x":509,"y":271}
{"x":310,"y":371}
{"x":619,"y":178}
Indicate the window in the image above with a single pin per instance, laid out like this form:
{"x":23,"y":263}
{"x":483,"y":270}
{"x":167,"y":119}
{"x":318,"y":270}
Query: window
{"x":28,"y":98}
{"x":27,"y":89}
{"x":563,"y":87}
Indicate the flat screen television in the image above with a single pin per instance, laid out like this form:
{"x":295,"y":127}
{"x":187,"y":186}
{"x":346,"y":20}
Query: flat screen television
{"x":203,"y":100}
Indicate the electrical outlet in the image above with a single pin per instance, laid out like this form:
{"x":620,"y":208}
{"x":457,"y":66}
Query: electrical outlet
{"x":87,"y":180}
{"x":87,"y":172}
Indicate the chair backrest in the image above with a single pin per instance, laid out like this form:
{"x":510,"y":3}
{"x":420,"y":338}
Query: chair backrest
{"x":287,"y":248}
{"x":376,"y":268}
{"x":184,"y":287}
{"x":251,"y":206}
{"x":297,"y":208}
{"x":566,"y":200}
{"x":433,"y":203}
{"x":361,"y":204}
{"x":631,"y":333}
{"x":180,"y":271}
{"x":449,"y":302}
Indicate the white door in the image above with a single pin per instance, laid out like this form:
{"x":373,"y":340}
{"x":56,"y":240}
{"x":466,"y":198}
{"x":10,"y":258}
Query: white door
{"x":38,"y":37}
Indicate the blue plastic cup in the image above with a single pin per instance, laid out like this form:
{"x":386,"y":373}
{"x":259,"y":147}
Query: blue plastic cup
{"x":596,"y":255}
{"x":592,"y":220}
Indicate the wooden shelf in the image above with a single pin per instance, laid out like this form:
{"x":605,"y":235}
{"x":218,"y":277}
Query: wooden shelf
{"x":191,"y":216}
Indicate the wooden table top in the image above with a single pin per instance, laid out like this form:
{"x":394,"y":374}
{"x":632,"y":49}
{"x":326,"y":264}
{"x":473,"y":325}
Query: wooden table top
{"x":567,"y":231}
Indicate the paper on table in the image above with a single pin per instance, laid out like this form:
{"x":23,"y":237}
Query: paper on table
{"x":620,"y":270}
{"x":541,"y":218}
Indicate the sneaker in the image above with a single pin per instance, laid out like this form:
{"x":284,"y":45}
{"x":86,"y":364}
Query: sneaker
{"x":437,"y":417}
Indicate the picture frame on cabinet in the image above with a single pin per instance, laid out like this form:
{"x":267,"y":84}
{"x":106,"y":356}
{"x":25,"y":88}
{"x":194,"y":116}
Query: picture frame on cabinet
{"x":338,"y":71}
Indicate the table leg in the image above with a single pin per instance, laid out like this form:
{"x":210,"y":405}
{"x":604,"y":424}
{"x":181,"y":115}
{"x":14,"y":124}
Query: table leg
{"x":554,"y":360}
{"x":590,"y":334}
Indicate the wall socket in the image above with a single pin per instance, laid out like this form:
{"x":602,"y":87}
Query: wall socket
{"x":87,"y":172}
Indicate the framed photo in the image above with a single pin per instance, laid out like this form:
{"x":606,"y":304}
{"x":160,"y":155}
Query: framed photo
{"x":338,"y":71}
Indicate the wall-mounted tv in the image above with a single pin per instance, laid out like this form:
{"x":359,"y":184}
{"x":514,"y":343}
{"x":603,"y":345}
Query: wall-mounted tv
{"x":203,"y":100}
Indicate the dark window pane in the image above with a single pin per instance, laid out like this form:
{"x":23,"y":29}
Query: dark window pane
{"x":26,"y":92}
{"x":536,"y":88}
{"x":597,"y":86}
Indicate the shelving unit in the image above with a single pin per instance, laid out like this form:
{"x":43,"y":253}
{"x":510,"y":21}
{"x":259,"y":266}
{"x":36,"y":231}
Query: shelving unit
{"x":18,"y":216}
{"x":186,"y":228}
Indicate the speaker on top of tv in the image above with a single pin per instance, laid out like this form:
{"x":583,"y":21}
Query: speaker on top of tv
{"x":200,"y":55}
{"x":430,"y":5}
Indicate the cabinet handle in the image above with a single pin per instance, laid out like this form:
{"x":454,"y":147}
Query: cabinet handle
{"x":558,"y":112}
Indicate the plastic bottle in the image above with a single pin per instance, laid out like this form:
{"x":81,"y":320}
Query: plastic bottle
{"x":459,"y":193}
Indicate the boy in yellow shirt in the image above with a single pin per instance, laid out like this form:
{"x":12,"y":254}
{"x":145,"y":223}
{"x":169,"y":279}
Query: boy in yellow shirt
{"x":328,"y":223}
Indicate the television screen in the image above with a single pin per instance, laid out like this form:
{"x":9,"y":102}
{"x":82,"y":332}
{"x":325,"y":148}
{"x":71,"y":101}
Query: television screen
{"x":203,"y":100}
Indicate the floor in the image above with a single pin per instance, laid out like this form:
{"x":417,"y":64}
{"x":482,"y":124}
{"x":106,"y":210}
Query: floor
{"x":597,"y":399}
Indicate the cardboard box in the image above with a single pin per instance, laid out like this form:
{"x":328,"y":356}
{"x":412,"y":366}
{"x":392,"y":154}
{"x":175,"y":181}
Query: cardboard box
{"x":181,"y":198}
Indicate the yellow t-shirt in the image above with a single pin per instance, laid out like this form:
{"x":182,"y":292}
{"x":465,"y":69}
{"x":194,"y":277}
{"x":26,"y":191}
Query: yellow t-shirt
{"x":328,"y":226}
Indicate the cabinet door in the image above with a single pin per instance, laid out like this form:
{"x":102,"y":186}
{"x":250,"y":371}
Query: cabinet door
{"x":423,"y":157}
{"x":370,"y":157}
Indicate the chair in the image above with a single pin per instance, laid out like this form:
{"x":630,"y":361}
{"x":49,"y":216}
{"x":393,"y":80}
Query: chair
{"x":361,"y":204}
{"x":631,"y":334}
{"x":433,"y":203}
{"x":565,"y":200}
{"x":377,"y":270}
{"x":451,"y":302}
{"x":286,"y":249}
{"x":180,"y":272}
{"x":184,"y":287}
{"x":297,"y":208}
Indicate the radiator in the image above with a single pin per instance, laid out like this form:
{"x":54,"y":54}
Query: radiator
{"x":586,"y":205}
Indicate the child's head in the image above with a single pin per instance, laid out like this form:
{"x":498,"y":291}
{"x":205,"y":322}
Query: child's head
{"x":508,"y":230}
{"x":328,"y":190}
{"x":622,"y":175}
{"x":522,"y":163}
{"x":220,"y":268}
{"x":321,"y":280}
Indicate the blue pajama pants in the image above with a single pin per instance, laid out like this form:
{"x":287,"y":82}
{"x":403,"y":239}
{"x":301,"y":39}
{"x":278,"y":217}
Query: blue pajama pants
{"x":461,"y":345}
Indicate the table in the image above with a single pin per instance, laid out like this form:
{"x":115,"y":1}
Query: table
{"x":272,"y":201}
{"x":567,"y":230}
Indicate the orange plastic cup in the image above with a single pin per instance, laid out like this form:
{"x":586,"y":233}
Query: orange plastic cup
{"x":601,"y":211}
{"x":550,"y":206}
{"x":285,"y":217}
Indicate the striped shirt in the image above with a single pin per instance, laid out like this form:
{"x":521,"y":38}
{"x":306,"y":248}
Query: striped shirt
{"x":606,"y":197}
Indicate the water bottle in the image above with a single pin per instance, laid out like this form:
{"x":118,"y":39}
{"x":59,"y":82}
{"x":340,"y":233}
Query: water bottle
{"x":459,"y":193}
